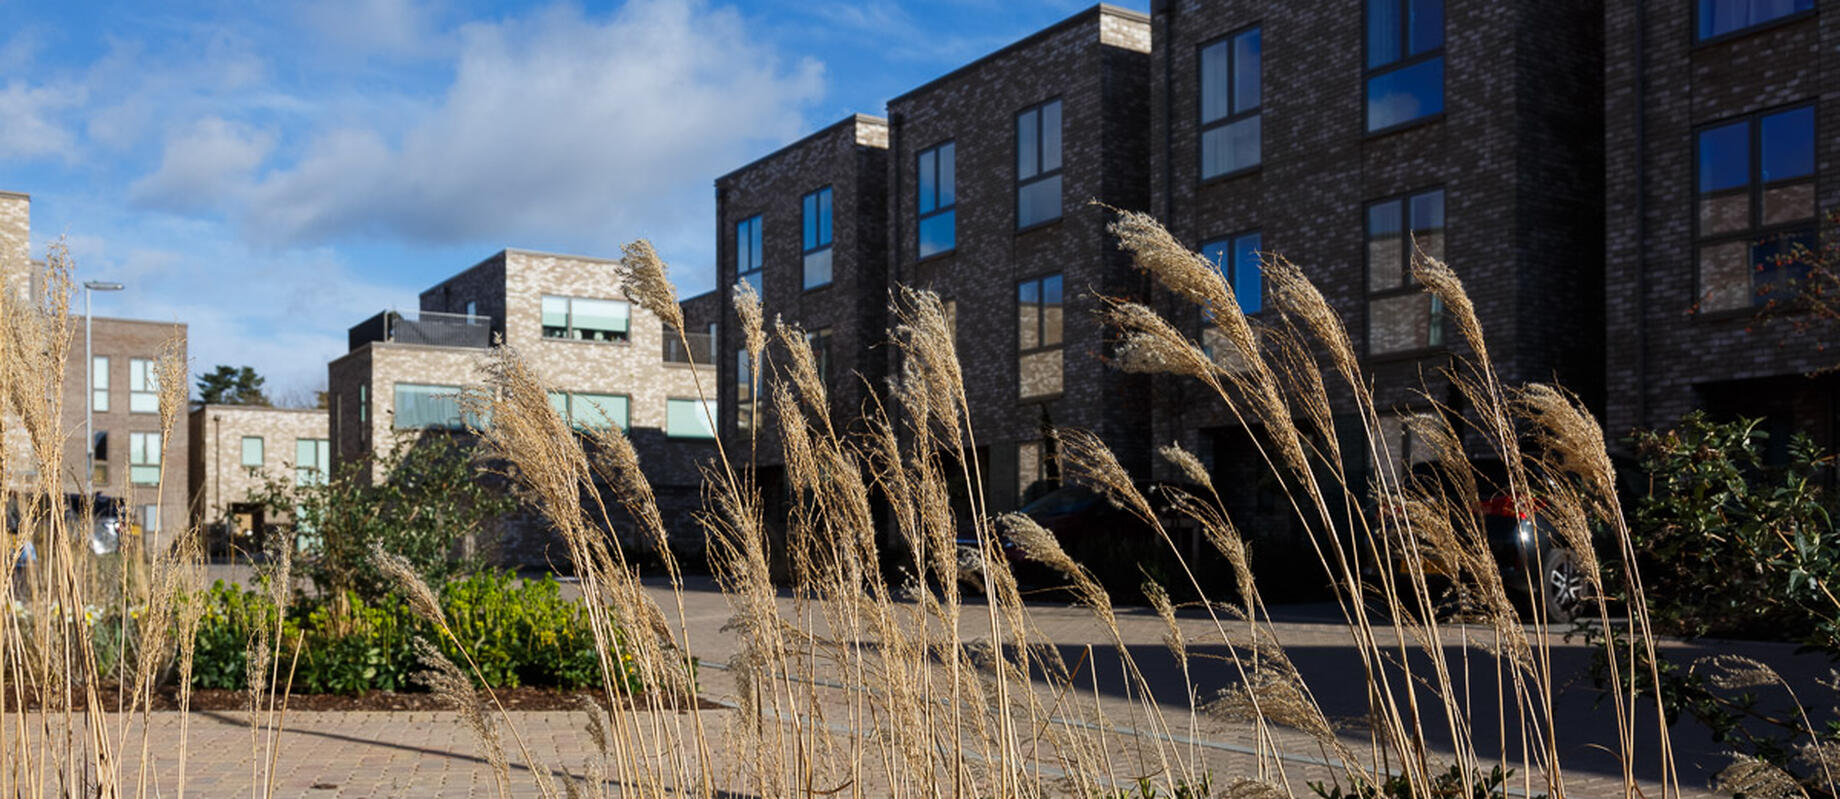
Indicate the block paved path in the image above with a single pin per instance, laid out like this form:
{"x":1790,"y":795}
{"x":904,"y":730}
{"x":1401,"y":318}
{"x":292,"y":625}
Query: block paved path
{"x":424,"y":754}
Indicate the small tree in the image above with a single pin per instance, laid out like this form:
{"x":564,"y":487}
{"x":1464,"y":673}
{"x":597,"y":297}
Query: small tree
{"x":428,"y":503}
{"x":229,"y":385}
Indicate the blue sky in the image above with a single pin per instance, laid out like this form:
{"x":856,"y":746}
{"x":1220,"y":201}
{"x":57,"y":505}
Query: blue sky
{"x":272,"y":173}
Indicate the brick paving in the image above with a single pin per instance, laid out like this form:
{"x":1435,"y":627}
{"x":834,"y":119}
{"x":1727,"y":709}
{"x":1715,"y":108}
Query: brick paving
{"x":433,"y":754}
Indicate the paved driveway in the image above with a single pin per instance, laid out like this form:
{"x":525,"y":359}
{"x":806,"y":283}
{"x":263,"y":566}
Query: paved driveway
{"x":432,"y":754}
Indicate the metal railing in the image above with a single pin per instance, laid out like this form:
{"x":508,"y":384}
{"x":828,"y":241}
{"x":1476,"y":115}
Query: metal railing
{"x":702,"y":346}
{"x":429,"y":328}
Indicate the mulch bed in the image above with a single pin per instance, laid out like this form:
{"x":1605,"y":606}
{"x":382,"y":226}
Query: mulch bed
{"x":167,"y":698}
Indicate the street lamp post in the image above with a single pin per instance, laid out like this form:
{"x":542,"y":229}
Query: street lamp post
{"x":89,"y":386}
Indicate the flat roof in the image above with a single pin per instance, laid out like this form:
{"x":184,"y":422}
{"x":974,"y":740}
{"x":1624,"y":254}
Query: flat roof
{"x":1102,"y":9}
{"x":851,"y":119}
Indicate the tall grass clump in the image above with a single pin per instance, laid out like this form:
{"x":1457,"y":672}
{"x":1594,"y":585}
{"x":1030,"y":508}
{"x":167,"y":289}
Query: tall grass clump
{"x":850,"y":683}
{"x":88,"y":638}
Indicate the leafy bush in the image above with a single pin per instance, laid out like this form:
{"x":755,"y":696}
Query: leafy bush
{"x":1715,"y":515}
{"x":430,"y":506}
{"x":518,"y":632}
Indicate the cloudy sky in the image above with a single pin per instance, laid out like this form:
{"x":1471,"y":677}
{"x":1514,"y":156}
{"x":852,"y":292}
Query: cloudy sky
{"x":272,"y":177}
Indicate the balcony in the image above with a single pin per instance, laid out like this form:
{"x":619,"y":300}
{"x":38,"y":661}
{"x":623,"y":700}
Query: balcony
{"x":426,"y":328}
{"x":702,"y":347}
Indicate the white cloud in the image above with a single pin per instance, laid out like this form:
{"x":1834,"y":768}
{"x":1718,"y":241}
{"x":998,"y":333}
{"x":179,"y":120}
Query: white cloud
{"x":208,"y":162}
{"x":553,"y":126}
{"x":29,"y":126}
{"x":400,"y":28}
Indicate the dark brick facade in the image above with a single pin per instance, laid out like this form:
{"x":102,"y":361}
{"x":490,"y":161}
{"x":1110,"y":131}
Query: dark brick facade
{"x":851,"y":158}
{"x":1097,"y":65}
{"x":1520,"y":172}
{"x":1666,"y":356}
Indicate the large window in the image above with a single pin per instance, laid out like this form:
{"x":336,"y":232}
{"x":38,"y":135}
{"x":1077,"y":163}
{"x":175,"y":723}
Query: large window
{"x":749,"y":255}
{"x":419,"y":405}
{"x":143,"y":386}
{"x":585,"y":319}
{"x":1719,"y":17}
{"x":144,"y":459}
{"x":689,"y":418}
{"x":1038,"y":165}
{"x":1038,"y":346}
{"x":1401,"y":317}
{"x":252,"y":452}
{"x":937,"y":206}
{"x":1405,"y":61}
{"x":817,"y":216}
{"x":99,"y":383}
{"x":820,"y":343}
{"x":591,"y":411}
{"x":1756,"y":205}
{"x":1237,"y":258}
{"x":744,"y":392}
{"x":312,"y":460}
{"x":1230,"y":87}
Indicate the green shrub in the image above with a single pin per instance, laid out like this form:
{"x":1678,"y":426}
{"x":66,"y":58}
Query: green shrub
{"x":1714,"y":516}
{"x":518,"y":632}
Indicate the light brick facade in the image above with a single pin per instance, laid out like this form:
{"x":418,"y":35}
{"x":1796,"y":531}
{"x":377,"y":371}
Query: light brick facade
{"x":510,"y":288}
{"x":132,"y":348}
{"x":223,"y":475}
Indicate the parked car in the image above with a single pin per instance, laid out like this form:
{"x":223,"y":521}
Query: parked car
{"x":110,"y":523}
{"x":1537,"y":569}
{"x":1120,"y":549}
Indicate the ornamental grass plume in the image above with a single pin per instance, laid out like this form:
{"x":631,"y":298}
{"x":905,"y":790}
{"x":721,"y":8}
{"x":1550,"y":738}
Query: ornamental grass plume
{"x":647,"y":280}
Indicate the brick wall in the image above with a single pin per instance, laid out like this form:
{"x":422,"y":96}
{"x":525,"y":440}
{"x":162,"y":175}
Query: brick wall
{"x":1096,"y":64}
{"x":122,"y":341}
{"x":850,"y":157}
{"x":218,"y":475}
{"x":1520,"y":175}
{"x":1665,"y":358}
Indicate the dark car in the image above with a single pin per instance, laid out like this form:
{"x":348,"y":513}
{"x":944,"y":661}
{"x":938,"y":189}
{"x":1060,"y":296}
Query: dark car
{"x":1537,"y":569}
{"x":1120,"y":549}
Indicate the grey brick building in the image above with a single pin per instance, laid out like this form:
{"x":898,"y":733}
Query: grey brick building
{"x":1719,"y":120}
{"x":603,"y":356}
{"x":806,"y":227}
{"x":994,"y":165}
{"x":234,"y":450}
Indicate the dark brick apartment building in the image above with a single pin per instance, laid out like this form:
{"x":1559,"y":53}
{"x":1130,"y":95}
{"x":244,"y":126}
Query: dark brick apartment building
{"x":976,"y":187}
{"x":1605,"y":178}
{"x":1719,"y":120}
{"x":1336,"y":135}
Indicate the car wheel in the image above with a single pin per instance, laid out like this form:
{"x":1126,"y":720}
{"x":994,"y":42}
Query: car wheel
{"x":1563,"y":586}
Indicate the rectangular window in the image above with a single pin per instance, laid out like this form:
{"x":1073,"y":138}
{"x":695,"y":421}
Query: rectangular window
{"x":749,"y":255}
{"x":143,"y":386}
{"x":585,"y":319}
{"x":472,"y":308}
{"x":1405,"y":62}
{"x":1719,"y":17}
{"x":1038,"y":346}
{"x":419,"y":406}
{"x":1756,"y":208}
{"x":689,"y":418}
{"x":817,"y":237}
{"x":1230,"y":87}
{"x":820,"y":341}
{"x":99,"y":455}
{"x":1038,"y":165}
{"x":150,"y":518}
{"x":744,"y":392}
{"x":1237,"y":258}
{"x":591,"y":411}
{"x":252,"y":452}
{"x":364,"y":402}
{"x":312,"y":460}
{"x":99,"y":383}
{"x":1400,"y":316}
{"x":937,"y":206}
{"x":144,"y":459}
